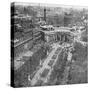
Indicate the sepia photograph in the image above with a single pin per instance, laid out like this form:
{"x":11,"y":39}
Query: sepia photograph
{"x":49,"y":44}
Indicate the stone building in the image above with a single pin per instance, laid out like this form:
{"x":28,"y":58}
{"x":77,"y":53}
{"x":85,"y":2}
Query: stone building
{"x":57,"y":36}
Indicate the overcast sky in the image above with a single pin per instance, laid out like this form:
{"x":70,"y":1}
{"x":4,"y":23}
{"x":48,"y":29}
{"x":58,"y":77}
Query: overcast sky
{"x":50,"y":5}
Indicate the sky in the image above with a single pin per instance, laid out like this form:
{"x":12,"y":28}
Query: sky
{"x":50,"y":5}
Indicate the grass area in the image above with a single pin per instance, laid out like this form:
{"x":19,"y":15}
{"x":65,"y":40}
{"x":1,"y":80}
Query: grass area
{"x":54,"y":56}
{"x":39,"y":83}
{"x":44,"y":73}
{"x":79,"y":68}
{"x":80,"y":53}
{"x":84,"y":36}
{"x":58,"y":69}
{"x":51,"y":63}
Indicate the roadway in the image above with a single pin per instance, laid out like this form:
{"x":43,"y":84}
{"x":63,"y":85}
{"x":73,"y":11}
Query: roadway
{"x":46,"y":66}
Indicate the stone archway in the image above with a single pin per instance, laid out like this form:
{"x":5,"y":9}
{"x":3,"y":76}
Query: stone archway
{"x":63,"y":36}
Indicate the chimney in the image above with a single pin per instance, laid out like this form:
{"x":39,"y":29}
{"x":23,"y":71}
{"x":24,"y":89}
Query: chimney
{"x":45,"y":14}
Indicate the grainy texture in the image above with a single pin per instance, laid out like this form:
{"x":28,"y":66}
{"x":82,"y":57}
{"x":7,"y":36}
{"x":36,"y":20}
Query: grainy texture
{"x":49,"y":45}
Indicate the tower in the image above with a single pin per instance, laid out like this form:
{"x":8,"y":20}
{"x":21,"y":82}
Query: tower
{"x":45,"y":14}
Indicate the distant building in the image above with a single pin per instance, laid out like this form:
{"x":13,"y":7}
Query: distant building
{"x":67,"y":19}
